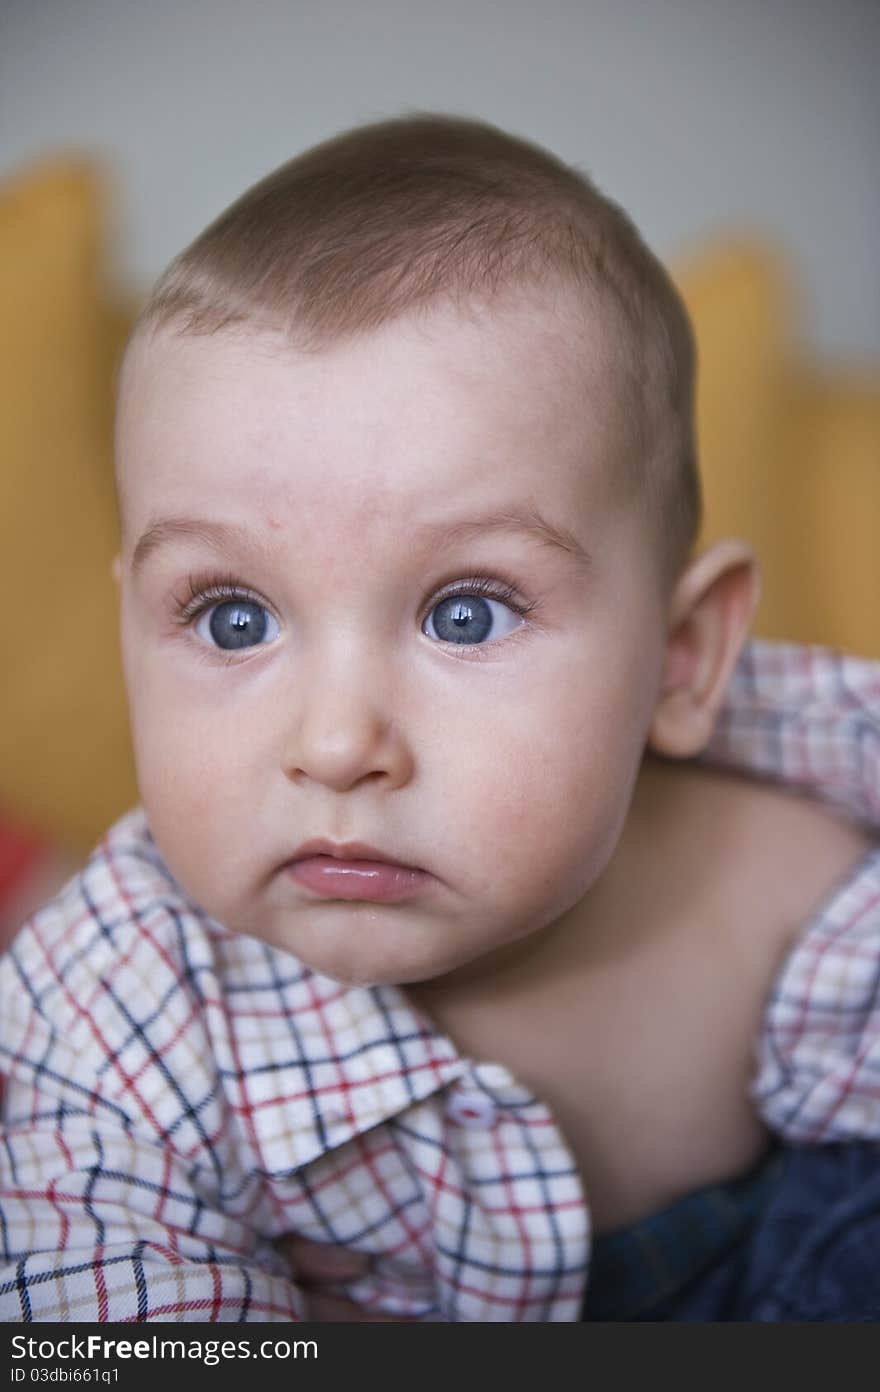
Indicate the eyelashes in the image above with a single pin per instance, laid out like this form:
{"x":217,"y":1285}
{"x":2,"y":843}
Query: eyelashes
{"x":206,"y":591}
{"x":485,"y":587}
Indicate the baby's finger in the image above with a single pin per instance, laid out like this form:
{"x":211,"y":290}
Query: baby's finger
{"x":334,"y":1309}
{"x":322,"y":1262}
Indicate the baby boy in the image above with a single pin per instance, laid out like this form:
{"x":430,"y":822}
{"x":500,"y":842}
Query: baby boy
{"x":434,"y":942}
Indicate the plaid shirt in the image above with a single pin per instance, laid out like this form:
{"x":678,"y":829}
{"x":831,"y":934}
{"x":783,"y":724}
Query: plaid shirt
{"x":178,"y":1097}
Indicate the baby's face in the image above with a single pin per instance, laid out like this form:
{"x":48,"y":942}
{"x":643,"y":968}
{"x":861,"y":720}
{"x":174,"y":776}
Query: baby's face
{"x":385,"y":593}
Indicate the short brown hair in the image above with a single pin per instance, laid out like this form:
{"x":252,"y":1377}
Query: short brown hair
{"x":387,"y":217}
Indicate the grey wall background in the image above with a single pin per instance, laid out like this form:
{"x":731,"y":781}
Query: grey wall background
{"x":695,"y":114}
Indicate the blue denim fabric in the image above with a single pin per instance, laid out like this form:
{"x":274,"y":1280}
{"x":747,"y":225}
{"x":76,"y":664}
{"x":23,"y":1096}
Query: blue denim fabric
{"x":811,"y":1253}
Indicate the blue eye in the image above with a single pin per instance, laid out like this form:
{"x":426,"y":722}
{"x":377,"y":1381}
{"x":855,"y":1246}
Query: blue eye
{"x":470,"y":618}
{"x":229,"y":617}
{"x":237,"y":623}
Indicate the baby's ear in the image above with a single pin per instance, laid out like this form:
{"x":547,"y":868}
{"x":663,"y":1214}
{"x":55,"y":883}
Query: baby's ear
{"x":116,"y":569}
{"x":710,"y":612}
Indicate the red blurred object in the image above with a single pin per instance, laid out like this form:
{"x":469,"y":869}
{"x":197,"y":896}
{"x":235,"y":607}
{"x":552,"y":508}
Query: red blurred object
{"x":20,"y":849}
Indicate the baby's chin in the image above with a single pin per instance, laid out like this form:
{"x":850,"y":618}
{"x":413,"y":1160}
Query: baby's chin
{"x":353,"y":973}
{"x":349,"y":964}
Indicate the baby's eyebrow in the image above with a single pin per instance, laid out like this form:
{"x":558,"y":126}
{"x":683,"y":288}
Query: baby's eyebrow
{"x":525,"y":521}
{"x":221,"y":536}
{"x":225,"y":536}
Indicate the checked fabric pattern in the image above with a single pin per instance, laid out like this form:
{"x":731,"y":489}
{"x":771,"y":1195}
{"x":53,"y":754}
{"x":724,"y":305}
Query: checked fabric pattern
{"x":178,"y":1098}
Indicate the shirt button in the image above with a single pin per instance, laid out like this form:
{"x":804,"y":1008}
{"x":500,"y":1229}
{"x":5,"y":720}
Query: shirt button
{"x":473,"y":1109}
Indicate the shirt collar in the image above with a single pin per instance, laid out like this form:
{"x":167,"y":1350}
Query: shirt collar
{"x":808,"y":717}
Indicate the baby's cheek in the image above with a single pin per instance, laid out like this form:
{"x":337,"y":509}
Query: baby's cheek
{"x":515,"y":817}
{"x":203,"y":852}
{"x":560,"y":811}
{"x":187,"y":785}
{"x":174,"y":775}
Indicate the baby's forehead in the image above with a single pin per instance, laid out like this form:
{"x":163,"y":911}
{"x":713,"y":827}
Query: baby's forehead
{"x":536,"y":364}
{"x":552,"y":326}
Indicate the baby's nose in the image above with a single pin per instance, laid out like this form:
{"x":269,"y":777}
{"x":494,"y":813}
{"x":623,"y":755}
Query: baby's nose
{"x":347,"y":729}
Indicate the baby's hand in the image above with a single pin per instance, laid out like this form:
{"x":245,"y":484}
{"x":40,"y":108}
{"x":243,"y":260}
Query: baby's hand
{"x":317,"y":1266}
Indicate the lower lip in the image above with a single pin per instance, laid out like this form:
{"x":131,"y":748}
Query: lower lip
{"x":373,"y":880}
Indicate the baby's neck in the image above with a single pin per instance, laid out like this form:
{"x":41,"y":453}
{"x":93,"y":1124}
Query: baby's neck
{"x":636,"y":1015}
{"x":700,"y":846}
